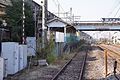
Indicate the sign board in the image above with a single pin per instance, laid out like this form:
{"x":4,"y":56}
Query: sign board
{"x":59,"y":37}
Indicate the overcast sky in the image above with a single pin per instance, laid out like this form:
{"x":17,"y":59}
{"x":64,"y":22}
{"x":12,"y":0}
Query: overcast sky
{"x":87,"y":9}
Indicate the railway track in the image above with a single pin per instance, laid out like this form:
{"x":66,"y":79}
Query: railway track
{"x":114,"y":55}
{"x":112,"y":52}
{"x":73,"y":69}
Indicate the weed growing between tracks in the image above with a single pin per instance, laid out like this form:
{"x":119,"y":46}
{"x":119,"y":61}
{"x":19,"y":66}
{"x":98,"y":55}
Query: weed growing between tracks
{"x":84,"y":46}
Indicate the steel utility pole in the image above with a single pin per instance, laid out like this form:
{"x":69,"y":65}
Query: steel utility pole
{"x":23,"y":30}
{"x":1,"y":35}
{"x":43,"y":3}
{"x":70,"y":15}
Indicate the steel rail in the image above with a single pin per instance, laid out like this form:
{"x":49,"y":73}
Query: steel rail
{"x":56,"y":76}
{"x":83,"y":67}
{"x":103,"y":47}
{"x":81,"y":72}
{"x":112,"y":56}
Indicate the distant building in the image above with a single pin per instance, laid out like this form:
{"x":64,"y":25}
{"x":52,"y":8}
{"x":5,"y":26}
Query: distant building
{"x":111,"y":20}
{"x":85,"y":36}
{"x":5,"y":32}
{"x":3,"y":4}
{"x":4,"y":29}
{"x":37,"y":15}
{"x":116,"y":38}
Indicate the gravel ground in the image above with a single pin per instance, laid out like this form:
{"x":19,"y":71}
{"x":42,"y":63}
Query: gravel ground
{"x":95,"y":69}
{"x":73,"y":69}
{"x":40,"y":73}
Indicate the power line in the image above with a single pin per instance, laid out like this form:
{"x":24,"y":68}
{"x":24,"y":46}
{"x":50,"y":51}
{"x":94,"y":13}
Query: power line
{"x":55,"y":3}
{"x":66,"y":15}
{"x":117,"y":12}
{"x":113,"y":9}
{"x":60,"y":5}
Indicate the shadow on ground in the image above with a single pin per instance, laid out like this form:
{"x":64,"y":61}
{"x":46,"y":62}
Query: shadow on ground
{"x":111,"y":77}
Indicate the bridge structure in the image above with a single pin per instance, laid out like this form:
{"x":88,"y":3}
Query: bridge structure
{"x":107,"y":24}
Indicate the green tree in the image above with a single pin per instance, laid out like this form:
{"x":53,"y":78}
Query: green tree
{"x":14,"y":19}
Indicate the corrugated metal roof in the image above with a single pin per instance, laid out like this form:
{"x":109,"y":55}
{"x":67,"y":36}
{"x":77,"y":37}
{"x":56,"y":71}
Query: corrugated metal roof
{"x":5,"y":2}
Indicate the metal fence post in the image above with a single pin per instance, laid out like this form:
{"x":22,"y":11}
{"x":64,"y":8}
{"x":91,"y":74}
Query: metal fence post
{"x":106,"y":67}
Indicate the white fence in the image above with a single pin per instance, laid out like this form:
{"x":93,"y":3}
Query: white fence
{"x":22,"y":56}
{"x":10,"y":52}
{"x":15,"y":56}
{"x":31,"y":45}
{"x":1,"y":68}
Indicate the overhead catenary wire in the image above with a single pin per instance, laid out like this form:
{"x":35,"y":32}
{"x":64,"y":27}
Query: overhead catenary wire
{"x":113,"y":8}
{"x":117,"y":12}
{"x":67,"y":16}
{"x":57,"y":4}
{"x":60,"y":5}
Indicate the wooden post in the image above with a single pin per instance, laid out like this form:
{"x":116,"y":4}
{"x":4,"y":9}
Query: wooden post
{"x":105,"y":55}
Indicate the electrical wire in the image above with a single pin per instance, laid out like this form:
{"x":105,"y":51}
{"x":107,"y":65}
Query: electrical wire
{"x":117,"y":12}
{"x":55,"y":3}
{"x":60,"y":5}
{"x":114,"y":8}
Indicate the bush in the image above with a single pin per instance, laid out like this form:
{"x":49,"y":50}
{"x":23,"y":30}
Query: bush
{"x":51,"y":58}
{"x":48,"y":51}
{"x":83,"y":45}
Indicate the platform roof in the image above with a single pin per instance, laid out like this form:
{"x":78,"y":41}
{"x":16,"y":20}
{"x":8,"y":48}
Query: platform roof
{"x":58,"y":24}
